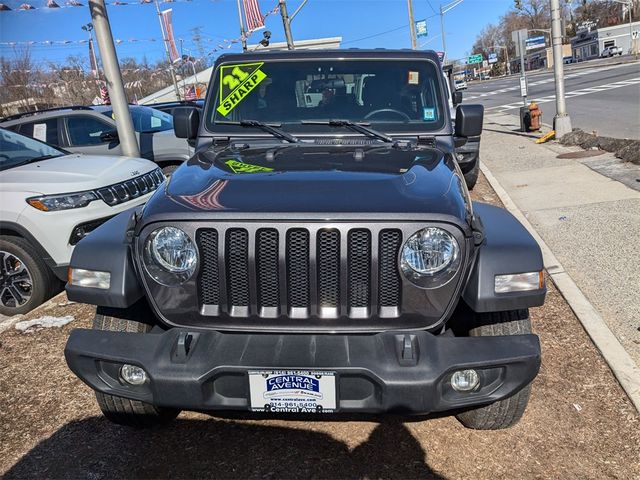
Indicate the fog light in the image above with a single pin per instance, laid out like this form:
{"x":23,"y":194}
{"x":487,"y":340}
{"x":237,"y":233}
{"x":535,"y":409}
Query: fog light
{"x":133,"y":375}
{"x":465,"y":380}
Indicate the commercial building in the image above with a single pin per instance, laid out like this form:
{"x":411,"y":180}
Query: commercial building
{"x":590,"y":43}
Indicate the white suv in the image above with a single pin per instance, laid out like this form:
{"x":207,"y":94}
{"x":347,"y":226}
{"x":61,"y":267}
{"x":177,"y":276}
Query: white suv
{"x":49,"y":200}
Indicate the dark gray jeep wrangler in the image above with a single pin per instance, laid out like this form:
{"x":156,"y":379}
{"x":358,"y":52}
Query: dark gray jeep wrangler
{"x":319,"y":254}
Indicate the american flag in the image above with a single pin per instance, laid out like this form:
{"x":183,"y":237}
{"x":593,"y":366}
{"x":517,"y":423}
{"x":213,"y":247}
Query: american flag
{"x":255,"y":19}
{"x":190,"y":94}
{"x":104,"y":95}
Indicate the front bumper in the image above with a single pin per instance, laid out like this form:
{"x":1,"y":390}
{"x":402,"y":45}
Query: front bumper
{"x":404,"y":372}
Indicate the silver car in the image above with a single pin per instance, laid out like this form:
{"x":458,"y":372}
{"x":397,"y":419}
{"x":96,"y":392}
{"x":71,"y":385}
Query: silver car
{"x":92,"y":130}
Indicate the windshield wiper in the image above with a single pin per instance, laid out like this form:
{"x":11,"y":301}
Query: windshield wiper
{"x":266,"y":127}
{"x":356,"y":127}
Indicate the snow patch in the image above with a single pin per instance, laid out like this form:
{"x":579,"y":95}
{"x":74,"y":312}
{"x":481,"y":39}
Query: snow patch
{"x":28,"y":326}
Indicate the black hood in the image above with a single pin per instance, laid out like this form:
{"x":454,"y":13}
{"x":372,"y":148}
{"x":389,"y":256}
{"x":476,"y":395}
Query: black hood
{"x":375,"y":178}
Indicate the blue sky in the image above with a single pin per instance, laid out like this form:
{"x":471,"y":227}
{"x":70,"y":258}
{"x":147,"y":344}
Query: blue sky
{"x":361,"y":23}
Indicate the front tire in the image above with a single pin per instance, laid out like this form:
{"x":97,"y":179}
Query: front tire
{"x":123,"y":411}
{"x":503,"y":413}
{"x":471,"y":177}
{"x":25,"y":280}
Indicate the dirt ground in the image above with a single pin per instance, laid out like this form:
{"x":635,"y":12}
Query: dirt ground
{"x":579,"y":424}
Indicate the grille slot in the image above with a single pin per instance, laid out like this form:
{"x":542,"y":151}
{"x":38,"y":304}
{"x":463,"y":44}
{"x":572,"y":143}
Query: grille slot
{"x":359,"y":263}
{"x":237,"y":268}
{"x":268,"y":277}
{"x":322,"y":273}
{"x":298,"y":271}
{"x":389,"y":276}
{"x":209,"y":282}
{"x":328,"y":260}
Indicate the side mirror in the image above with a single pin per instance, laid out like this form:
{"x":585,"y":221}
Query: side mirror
{"x":457,"y":98}
{"x":110,"y":136}
{"x":186,"y":121}
{"x":469,"y":120}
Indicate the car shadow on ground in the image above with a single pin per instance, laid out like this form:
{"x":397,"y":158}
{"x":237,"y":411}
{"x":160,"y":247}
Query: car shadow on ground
{"x":96,"y":449}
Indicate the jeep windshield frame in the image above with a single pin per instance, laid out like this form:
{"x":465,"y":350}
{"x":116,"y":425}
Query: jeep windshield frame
{"x":396,"y":95}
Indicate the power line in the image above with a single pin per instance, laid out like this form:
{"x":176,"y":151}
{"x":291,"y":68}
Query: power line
{"x":431,"y":7}
{"x":383,"y":33}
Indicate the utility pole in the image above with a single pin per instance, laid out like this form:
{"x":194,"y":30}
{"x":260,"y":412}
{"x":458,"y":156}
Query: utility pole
{"x":166,"y":49}
{"x":562,"y":121}
{"x":92,"y":60}
{"x":523,"y":75}
{"x":113,"y":78}
{"x":243,"y":36}
{"x":412,"y":26}
{"x":444,"y":41}
{"x":286,"y":21}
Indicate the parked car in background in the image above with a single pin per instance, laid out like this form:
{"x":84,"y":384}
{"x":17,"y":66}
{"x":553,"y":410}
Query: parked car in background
{"x":460,"y":84}
{"x":168,"y":107}
{"x":611,"y":51}
{"x":92,"y":130}
{"x":49,"y":201}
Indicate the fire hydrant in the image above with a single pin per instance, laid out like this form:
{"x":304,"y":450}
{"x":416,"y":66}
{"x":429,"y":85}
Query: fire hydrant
{"x":535,"y":116}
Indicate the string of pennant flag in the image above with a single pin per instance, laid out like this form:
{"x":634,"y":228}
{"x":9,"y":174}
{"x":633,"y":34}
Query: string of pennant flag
{"x":222,"y":45}
{"x":77,"y":3}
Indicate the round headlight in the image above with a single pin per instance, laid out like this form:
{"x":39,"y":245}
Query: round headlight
{"x":170,"y":256}
{"x":430,"y":257}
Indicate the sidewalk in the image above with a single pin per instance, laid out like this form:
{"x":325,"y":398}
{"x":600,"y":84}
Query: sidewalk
{"x":590,"y":221}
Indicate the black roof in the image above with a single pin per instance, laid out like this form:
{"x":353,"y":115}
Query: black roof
{"x":349,"y":53}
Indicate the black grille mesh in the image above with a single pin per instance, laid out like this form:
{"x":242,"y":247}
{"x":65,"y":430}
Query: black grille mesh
{"x":209,"y":279}
{"x":237,"y":266}
{"x":235,"y":280}
{"x":359,"y":248}
{"x":267,"y":267}
{"x":389,"y":277}
{"x":328,"y":268}
{"x":298,"y":267}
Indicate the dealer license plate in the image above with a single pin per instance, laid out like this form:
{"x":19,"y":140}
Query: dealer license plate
{"x":292,"y":391}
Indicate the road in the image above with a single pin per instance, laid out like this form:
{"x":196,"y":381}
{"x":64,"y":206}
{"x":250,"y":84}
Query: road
{"x":601,"y":95}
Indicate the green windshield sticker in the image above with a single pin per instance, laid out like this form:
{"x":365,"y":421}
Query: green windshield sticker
{"x":239,"y":167}
{"x":236,"y":82}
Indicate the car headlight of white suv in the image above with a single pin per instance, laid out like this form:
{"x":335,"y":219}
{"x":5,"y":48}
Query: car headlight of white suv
{"x":65,"y":201}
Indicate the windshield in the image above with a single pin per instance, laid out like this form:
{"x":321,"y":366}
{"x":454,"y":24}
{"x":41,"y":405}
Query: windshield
{"x":390,"y":95}
{"x":147,"y":120}
{"x":16,"y":150}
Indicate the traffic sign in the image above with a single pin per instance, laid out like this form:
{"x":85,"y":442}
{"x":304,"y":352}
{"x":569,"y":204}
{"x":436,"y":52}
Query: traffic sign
{"x":421,"y":28}
{"x":477,"y":58}
{"x":493,"y":57}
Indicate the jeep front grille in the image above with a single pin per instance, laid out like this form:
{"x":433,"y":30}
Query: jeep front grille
{"x":130,"y":189}
{"x":299,"y":272}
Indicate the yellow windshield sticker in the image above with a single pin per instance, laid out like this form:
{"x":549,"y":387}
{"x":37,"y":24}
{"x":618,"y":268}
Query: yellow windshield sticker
{"x":239,"y":167}
{"x":236,"y":82}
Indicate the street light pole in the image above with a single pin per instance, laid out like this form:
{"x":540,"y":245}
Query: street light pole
{"x":444,"y":10}
{"x":562,"y":121}
{"x":113,"y":77}
{"x":629,"y":5}
{"x":412,"y":26}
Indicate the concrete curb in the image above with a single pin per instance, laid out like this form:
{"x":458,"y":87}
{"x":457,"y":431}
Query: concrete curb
{"x":620,"y":362}
{"x":11,"y":321}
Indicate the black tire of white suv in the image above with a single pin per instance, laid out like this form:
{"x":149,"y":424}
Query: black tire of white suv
{"x":123,"y":411}
{"x":503,"y":413}
{"x":25,"y":280}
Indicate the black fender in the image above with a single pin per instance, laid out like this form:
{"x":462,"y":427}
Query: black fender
{"x":507,"y":248}
{"x":108,"y":249}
